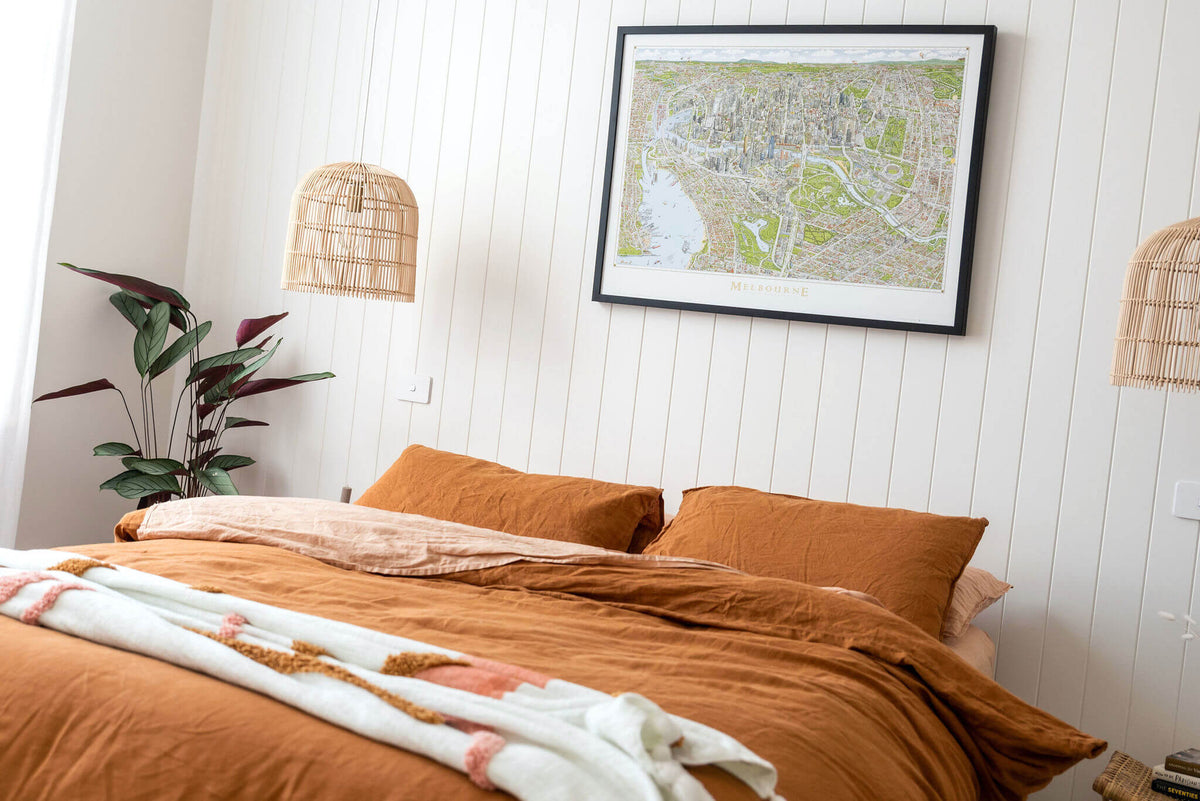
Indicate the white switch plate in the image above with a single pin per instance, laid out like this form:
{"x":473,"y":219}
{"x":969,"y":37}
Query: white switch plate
{"x":1187,"y":500}
{"x":415,"y":388}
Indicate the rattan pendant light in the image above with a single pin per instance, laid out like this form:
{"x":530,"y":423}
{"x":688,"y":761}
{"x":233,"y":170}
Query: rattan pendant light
{"x":1158,"y":333}
{"x":353,"y":229}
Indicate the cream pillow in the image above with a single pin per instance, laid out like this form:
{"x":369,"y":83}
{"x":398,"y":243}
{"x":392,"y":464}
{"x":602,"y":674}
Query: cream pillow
{"x":975,"y":591}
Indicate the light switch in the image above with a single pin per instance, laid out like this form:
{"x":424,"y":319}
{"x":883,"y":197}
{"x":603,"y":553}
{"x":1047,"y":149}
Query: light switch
{"x":415,"y":388}
{"x":1187,"y":500}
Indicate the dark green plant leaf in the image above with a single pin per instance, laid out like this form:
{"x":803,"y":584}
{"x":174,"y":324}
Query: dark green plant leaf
{"x":129,"y":307}
{"x":217,"y":480}
{"x":251,"y":328}
{"x":148,"y":343}
{"x":140,"y":485}
{"x":187,"y":341}
{"x":178,"y":318}
{"x":134,"y":284}
{"x":235,"y":380}
{"x":213,"y":376}
{"x":114,"y":449}
{"x":222,"y":359}
{"x":218,"y":389}
{"x":271,"y":384}
{"x":79,"y":389}
{"x":112,"y":483}
{"x":253,"y":367}
{"x":230,"y":462}
{"x":242,"y":422}
{"x":151,"y":467}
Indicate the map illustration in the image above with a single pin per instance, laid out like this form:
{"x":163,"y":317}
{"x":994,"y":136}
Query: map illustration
{"x":802,"y":163}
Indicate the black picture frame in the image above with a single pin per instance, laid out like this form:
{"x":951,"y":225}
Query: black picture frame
{"x":958,"y":326}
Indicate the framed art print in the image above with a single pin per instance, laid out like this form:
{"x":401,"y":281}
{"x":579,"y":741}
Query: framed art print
{"x":824,"y":173}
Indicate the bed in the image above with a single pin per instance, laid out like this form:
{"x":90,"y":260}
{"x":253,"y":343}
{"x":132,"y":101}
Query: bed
{"x":843,"y":697}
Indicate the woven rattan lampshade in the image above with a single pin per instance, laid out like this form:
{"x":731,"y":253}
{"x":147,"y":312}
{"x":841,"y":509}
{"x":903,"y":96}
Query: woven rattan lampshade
{"x":1158,"y":334}
{"x":353,"y":231}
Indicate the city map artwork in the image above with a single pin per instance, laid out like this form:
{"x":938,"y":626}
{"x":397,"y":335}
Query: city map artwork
{"x":794,"y":172}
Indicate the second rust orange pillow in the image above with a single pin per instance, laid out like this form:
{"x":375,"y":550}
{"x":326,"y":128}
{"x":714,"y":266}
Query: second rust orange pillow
{"x":908,"y":560}
{"x":463,"y":489}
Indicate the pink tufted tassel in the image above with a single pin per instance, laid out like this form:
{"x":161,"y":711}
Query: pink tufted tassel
{"x":518,"y":673}
{"x":11,"y":584}
{"x":39,"y":607}
{"x":484,"y":746}
{"x":231,"y":625}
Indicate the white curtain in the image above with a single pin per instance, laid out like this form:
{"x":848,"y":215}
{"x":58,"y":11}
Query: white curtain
{"x":34,"y":51}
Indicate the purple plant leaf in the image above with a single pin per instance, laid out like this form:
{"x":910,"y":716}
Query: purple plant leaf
{"x":79,"y":389}
{"x":207,"y":379}
{"x":254,"y":326}
{"x":237,"y":357}
{"x":271,"y":384}
{"x":204,"y":410}
{"x":201,"y":460}
{"x":134,"y":284}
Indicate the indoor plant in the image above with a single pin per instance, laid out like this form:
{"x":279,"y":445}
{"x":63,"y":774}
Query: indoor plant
{"x":212,"y":385}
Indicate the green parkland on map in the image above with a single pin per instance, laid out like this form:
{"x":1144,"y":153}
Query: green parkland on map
{"x":839,"y":169}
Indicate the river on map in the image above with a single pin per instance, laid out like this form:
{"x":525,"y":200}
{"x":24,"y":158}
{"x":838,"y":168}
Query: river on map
{"x":675,"y":226}
{"x":755,"y":227}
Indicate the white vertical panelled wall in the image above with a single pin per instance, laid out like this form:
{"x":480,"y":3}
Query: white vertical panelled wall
{"x":496,"y":113}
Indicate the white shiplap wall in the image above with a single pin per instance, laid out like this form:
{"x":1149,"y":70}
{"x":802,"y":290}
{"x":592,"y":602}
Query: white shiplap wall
{"x":496,"y":114}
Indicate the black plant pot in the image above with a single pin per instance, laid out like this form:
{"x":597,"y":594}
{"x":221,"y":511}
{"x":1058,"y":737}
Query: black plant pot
{"x":146,"y":501}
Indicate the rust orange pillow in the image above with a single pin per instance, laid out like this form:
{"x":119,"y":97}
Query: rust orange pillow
{"x":908,"y":560}
{"x":127,"y":527}
{"x":463,"y":489}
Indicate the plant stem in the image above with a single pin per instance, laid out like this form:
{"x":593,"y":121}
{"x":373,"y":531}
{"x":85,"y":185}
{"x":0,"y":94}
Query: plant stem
{"x":174,"y":420}
{"x":194,"y":410}
{"x":145,"y":419}
{"x":153,"y":418}
{"x":220,"y":425}
{"x":129,"y":414}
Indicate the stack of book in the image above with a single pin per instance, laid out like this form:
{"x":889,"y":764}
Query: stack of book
{"x":1179,"y":775}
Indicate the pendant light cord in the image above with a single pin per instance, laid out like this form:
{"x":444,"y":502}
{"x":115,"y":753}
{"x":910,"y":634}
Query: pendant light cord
{"x":370,"y":70}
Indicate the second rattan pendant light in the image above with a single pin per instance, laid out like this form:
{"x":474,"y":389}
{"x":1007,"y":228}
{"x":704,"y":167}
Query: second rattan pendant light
{"x":1158,"y":334}
{"x":353,"y":229}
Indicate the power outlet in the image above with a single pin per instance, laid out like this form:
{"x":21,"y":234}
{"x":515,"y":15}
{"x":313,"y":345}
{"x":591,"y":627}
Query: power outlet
{"x":415,"y":388}
{"x":1187,"y":500}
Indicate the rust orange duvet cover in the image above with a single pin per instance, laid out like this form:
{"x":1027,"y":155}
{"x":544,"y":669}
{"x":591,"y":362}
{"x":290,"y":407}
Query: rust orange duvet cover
{"x":844,"y":698}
